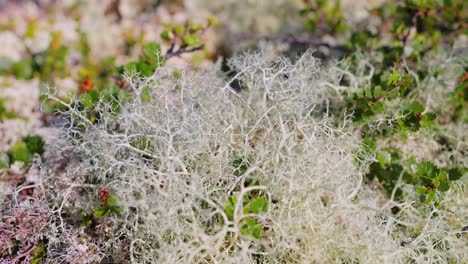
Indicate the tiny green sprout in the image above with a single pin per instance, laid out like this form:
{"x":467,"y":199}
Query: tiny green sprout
{"x":31,"y":28}
{"x":212,"y":21}
{"x":194,"y":27}
{"x":393,"y":79}
{"x":177,"y":74}
{"x":108,"y":208}
{"x":191,"y":40}
{"x":86,"y":219}
{"x":101,"y":212}
{"x":167,"y":35}
{"x":229,"y":206}
{"x":112,"y":204}
{"x":179,"y":30}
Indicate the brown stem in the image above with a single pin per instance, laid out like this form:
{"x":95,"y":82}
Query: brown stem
{"x":171,"y":53}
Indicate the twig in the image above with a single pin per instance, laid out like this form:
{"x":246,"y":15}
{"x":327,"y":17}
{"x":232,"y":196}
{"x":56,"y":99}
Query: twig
{"x":171,"y":53}
{"x":184,"y":48}
{"x":414,"y":20}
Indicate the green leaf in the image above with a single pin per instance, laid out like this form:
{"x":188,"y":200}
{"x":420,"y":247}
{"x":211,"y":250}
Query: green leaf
{"x":116,"y":209}
{"x":409,"y":178}
{"x":442,"y":176}
{"x":378,"y":108}
{"x":393,"y":94}
{"x":384,"y":158}
{"x":102,"y":212}
{"x":166,"y":35}
{"x":111,"y":201}
{"x":22,"y":69}
{"x":430,"y":197}
{"x":191,"y":40}
{"x":444,"y":186}
{"x":455,"y":174}
{"x":369,"y":145}
{"x":152,"y":52}
{"x":86,"y":219}
{"x":35,"y":144}
{"x":194,"y":27}
{"x":20,"y":152}
{"x":427,"y":120}
{"x":368,"y":92}
{"x":130,"y":67}
{"x":421,"y":190}
{"x":427,"y":169}
{"x":212,"y":21}
{"x":229,"y":206}
{"x":251,"y":228}
{"x":416,"y":107}
{"x":377,"y":91}
{"x":393,"y":79}
{"x":257,"y":206}
{"x":423,"y":198}
{"x":145,"y":69}
{"x":178,"y":30}
{"x":430,"y":116}
{"x":90,"y":99}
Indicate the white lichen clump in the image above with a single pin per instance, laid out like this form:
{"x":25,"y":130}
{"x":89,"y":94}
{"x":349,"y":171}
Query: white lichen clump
{"x":168,"y":158}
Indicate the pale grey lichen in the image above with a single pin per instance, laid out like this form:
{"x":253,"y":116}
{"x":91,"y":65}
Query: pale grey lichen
{"x":168,"y":160}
